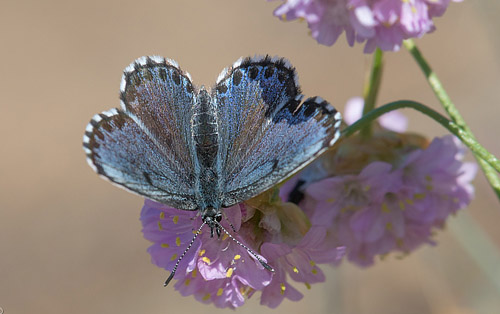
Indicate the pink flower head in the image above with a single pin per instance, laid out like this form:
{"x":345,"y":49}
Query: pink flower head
{"x":222,"y":272}
{"x":387,"y":194}
{"x":379,"y":23}
{"x":217,"y":271}
{"x":393,"y":207}
{"x":438,"y":178}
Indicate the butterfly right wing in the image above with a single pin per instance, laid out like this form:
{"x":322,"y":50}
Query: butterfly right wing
{"x":267,"y":133}
{"x":146,"y":146}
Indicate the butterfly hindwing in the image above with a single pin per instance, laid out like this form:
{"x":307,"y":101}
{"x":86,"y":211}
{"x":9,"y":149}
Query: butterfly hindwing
{"x":147,"y":146}
{"x":266,"y":133}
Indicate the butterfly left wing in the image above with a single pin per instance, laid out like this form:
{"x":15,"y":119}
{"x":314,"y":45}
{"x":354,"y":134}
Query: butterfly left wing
{"x":266,"y":132}
{"x":146,"y":147}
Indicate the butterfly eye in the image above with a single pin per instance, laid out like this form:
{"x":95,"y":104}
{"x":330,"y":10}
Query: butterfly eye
{"x":218,"y":218}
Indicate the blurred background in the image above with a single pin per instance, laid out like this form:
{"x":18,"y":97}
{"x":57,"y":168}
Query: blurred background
{"x":72,"y":243}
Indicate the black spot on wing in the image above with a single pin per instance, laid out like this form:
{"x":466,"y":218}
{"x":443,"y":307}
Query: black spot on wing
{"x":253,"y":72}
{"x":147,"y":177}
{"x":237,"y":76}
{"x":275,"y":164}
{"x":309,"y":109}
{"x":269,"y":71}
{"x":163,"y":74}
{"x":221,"y":88}
{"x":281,"y":76}
{"x":176,"y":77}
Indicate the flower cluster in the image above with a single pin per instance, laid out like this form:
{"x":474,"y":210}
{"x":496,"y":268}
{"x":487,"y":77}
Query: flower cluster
{"x":388,"y":194}
{"x":222,"y":272}
{"x":379,"y":23}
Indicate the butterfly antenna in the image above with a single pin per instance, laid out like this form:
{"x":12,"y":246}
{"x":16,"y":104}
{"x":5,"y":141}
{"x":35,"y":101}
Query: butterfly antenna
{"x":264,"y":264}
{"x":229,"y":222}
{"x":182,"y":256}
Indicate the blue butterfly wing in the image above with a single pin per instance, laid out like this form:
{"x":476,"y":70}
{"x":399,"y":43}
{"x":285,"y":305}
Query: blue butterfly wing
{"x":146,"y":147}
{"x":266,"y":132}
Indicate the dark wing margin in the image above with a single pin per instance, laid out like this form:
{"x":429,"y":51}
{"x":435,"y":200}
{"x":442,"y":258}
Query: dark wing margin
{"x":267,"y":133}
{"x":145,"y":146}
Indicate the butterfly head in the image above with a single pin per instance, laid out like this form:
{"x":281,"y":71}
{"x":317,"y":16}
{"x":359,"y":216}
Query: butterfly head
{"x":212,"y":217}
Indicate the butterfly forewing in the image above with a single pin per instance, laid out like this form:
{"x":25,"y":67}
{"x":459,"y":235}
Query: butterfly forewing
{"x":266,"y":134}
{"x":160,"y":98}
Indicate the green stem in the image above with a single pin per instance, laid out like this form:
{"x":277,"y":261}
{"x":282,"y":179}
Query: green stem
{"x":491,"y":176}
{"x":435,"y":84}
{"x":452,"y":111}
{"x":451,"y":126}
{"x":371,"y":88}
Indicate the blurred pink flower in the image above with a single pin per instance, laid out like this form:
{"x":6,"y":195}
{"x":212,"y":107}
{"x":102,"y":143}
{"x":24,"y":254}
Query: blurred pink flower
{"x":393,"y":207}
{"x":393,"y":120}
{"x":385,"y":194}
{"x":378,"y":23}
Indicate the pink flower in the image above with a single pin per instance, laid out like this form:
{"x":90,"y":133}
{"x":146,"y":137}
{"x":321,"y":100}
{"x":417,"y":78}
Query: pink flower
{"x":300,"y":263}
{"x":388,"y":208}
{"x":220,"y":271}
{"x":213,"y":270}
{"x":378,"y":23}
{"x":385,"y":195}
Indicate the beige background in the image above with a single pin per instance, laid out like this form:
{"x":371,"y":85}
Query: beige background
{"x":71,"y":242}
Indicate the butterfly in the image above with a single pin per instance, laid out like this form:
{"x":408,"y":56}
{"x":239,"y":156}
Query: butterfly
{"x":202,"y":149}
